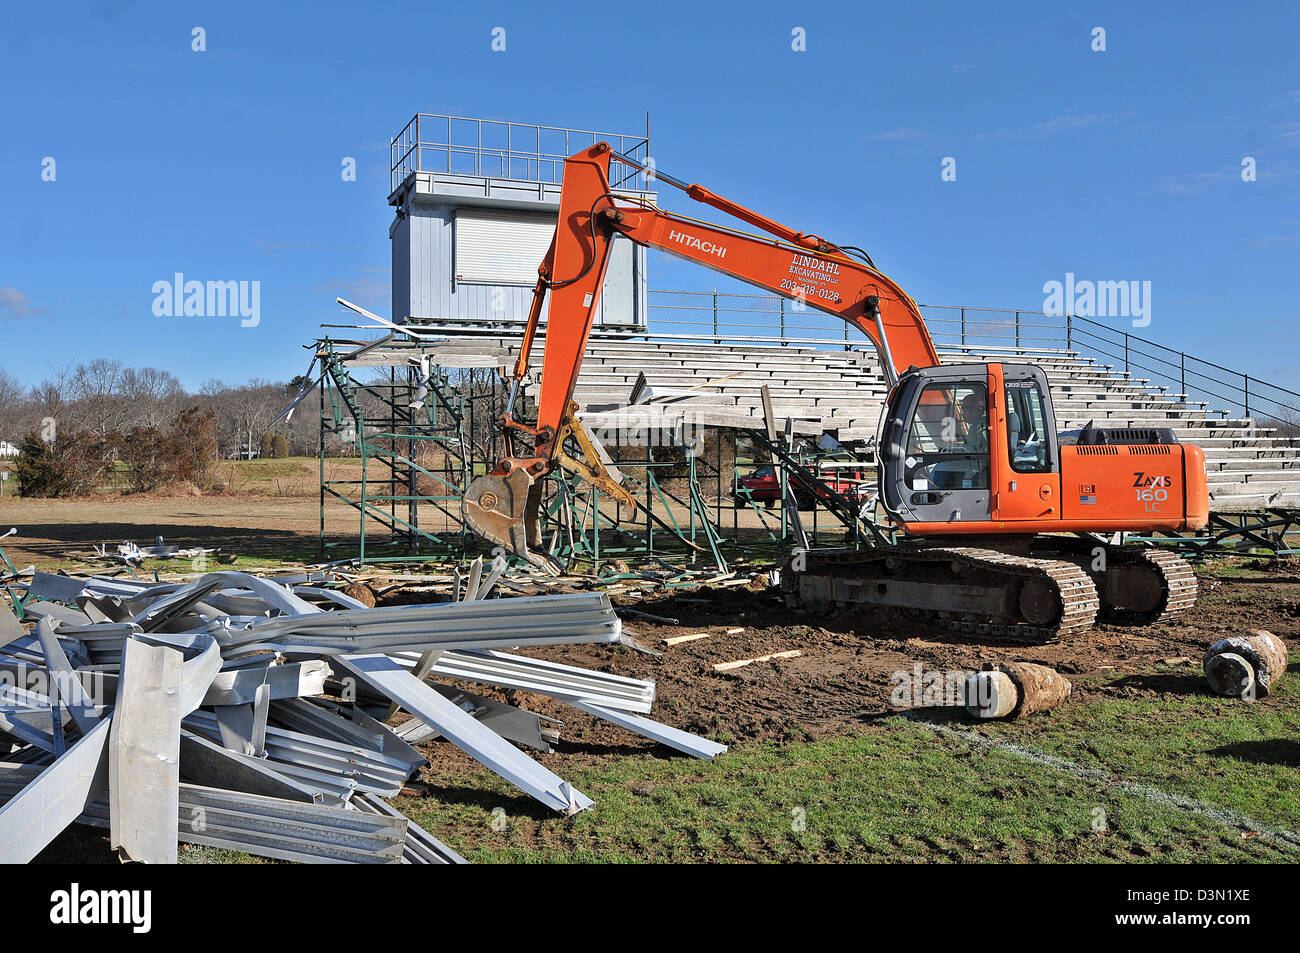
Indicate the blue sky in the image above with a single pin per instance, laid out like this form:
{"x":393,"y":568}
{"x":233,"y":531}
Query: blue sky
{"x":225,"y":164}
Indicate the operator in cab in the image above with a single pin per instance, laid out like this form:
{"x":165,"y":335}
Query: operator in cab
{"x":975,"y":418}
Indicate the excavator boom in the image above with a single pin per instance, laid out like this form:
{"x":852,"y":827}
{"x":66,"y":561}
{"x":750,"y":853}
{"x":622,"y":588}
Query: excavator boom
{"x":502,"y":506}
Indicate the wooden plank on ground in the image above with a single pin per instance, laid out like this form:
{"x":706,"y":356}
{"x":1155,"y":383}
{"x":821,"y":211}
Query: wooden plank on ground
{"x":741,"y":663}
{"x":679,"y":639}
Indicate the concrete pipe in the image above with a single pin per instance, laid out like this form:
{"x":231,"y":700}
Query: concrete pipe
{"x":1015,"y":689}
{"x":1245,"y":666}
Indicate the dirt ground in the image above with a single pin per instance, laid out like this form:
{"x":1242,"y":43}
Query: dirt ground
{"x":66,"y":529}
{"x":841,"y":679}
{"x":265,"y":522}
{"x":844,"y":677}
{"x":840,"y":683}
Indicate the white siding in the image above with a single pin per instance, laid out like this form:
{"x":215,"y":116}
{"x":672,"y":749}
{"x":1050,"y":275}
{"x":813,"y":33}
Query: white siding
{"x":432,"y":283}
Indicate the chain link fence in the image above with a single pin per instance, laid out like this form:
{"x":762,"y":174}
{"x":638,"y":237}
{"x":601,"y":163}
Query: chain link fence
{"x":727,"y":317}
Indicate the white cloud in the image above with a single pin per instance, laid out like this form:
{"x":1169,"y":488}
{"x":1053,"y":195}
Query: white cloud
{"x":1287,"y":133}
{"x":1274,"y":240}
{"x":1199,"y":180}
{"x":14,"y":305}
{"x":1069,"y":122}
{"x":1064,"y":123}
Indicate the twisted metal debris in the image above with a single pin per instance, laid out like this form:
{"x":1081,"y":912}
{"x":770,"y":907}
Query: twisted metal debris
{"x":252,"y":713}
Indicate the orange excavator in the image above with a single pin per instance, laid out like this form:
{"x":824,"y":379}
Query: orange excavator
{"x":1001,"y":524}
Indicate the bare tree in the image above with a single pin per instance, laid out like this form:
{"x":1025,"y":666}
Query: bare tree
{"x":51,"y":404}
{"x":154,"y":396}
{"x":13,"y":397}
{"x":97,"y":391}
{"x":213,"y":387}
{"x":252,"y":407}
{"x":105,"y":399}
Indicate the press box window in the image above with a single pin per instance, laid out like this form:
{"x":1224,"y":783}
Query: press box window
{"x":498,"y":248}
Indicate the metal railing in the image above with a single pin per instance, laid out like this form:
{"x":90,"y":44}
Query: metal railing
{"x":505,"y":150}
{"x":726,"y":317}
{"x":729,"y":316}
{"x":739,"y":318}
{"x":1175,"y":373}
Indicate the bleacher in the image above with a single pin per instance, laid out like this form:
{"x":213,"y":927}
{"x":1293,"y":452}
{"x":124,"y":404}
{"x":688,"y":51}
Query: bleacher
{"x":840,"y":392}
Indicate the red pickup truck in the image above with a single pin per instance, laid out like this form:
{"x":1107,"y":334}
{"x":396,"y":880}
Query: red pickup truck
{"x":764,"y":486}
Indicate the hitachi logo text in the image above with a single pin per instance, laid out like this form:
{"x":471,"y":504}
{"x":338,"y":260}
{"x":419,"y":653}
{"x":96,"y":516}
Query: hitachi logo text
{"x":690,"y":241}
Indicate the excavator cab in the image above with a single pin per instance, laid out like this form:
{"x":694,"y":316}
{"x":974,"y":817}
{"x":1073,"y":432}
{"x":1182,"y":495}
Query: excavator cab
{"x":943,"y":449}
{"x":973,"y":449}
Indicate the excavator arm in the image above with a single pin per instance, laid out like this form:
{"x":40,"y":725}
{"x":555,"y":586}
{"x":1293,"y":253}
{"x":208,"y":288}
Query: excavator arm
{"x":502,"y":506}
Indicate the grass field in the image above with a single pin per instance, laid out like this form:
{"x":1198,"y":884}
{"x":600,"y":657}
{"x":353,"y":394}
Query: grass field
{"x":1183,"y":778}
{"x":900,"y":791}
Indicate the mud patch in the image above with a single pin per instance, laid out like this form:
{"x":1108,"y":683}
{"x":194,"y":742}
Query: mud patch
{"x":842,"y":679}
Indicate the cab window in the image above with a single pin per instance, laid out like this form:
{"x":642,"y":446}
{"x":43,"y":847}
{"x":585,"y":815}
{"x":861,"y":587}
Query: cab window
{"x":948,"y":442}
{"x":1027,"y":423}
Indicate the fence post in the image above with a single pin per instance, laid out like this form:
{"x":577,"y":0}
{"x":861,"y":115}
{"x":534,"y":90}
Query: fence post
{"x":715,"y":316}
{"x":1017,"y":330}
{"x":418,"y":165}
{"x":1182,"y":373}
{"x":1069,"y":332}
{"x":1246,"y":392}
{"x":1126,"y":352}
{"x":782,"y":300}
{"x":963,"y":327}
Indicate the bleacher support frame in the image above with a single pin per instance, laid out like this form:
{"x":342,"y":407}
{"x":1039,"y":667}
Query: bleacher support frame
{"x":399,"y":490}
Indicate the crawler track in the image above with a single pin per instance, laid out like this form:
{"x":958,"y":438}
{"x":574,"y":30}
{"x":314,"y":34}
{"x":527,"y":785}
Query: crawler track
{"x":1173,"y":575}
{"x":974,"y":591}
{"x":1137,"y":585}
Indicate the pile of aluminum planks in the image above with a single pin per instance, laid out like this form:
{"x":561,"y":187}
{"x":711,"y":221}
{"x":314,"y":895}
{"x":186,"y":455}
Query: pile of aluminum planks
{"x":275,"y":716}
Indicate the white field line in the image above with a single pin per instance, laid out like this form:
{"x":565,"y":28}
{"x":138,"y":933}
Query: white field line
{"x":1219,"y":815}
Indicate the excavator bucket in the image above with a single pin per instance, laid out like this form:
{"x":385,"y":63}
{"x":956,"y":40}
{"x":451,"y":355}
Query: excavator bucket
{"x":503,"y":510}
